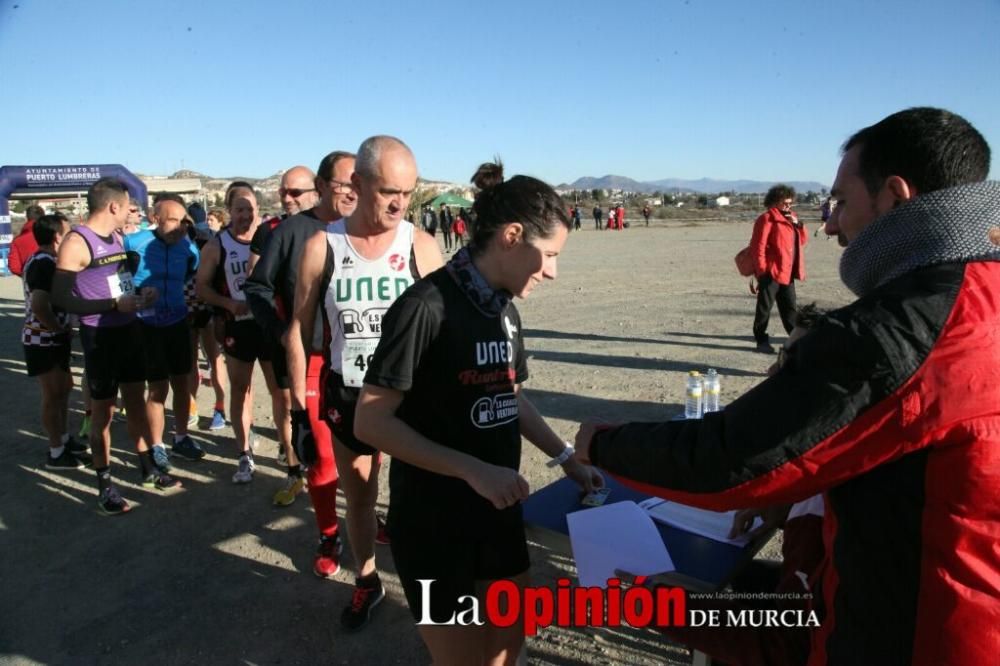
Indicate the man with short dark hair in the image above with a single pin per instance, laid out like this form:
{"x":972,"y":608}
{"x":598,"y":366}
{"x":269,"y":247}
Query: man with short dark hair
{"x":24,"y":245}
{"x":270,"y":293}
{"x":887,"y":406}
{"x":93,"y":280}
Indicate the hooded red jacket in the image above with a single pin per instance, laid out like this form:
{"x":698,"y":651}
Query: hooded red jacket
{"x":772,"y":247}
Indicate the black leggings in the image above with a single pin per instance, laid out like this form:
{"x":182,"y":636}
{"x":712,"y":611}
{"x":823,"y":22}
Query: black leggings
{"x":770,"y":291}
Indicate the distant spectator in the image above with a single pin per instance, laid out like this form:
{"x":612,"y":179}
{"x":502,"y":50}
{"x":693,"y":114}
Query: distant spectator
{"x":216,"y":220}
{"x":776,"y":248}
{"x":646,"y":212}
{"x":24,"y":245}
{"x":445,"y":219}
{"x":620,"y":216}
{"x":576,"y":217}
{"x":598,"y":216}
{"x":460,"y":228}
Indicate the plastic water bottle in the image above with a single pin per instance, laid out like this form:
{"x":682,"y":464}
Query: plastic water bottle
{"x":692,"y":396}
{"x":713,"y":387}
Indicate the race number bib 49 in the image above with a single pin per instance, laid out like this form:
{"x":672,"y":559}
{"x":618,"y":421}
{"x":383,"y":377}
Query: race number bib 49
{"x":355,"y":360}
{"x":120,"y":284}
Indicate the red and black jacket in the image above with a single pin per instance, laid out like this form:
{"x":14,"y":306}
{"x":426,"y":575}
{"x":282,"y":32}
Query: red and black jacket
{"x":891,"y":408}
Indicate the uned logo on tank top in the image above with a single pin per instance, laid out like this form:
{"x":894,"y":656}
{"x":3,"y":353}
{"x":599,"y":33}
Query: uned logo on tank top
{"x":397,"y":262}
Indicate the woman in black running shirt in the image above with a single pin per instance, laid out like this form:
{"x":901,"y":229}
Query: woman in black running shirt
{"x":442,"y":396}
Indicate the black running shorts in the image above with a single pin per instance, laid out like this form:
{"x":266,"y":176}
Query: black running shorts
{"x":246,"y":341}
{"x":168,"y":350}
{"x":112,"y":355}
{"x":41,"y":360}
{"x":488,"y":549}
{"x":199,"y":318}
{"x":279,"y":363}
{"x":339,"y":403}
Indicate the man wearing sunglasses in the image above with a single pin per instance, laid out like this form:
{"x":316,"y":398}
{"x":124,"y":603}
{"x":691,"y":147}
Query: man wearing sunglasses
{"x":270,"y":290}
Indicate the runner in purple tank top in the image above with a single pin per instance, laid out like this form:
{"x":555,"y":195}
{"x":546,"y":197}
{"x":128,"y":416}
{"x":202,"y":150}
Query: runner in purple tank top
{"x":93,"y":280}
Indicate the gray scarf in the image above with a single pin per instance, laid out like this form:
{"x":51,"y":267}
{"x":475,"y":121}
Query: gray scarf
{"x":956,"y":224}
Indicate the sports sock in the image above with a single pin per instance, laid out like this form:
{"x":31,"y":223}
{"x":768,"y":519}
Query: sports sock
{"x":103,"y":478}
{"x":295,"y":470}
{"x":146,"y":463}
{"x":57,"y":451}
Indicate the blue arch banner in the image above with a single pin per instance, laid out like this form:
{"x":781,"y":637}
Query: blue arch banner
{"x":59,"y":178}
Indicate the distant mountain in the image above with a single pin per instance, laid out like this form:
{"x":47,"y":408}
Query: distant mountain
{"x":676,"y":185}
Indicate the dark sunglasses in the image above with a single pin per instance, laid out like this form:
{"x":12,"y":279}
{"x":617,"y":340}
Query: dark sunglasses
{"x":295,"y":193}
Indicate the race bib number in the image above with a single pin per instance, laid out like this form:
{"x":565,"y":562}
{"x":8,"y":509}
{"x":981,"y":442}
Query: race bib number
{"x":355,"y":360}
{"x":120,"y":284}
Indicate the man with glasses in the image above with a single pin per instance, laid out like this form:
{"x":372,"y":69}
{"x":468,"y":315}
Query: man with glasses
{"x":270,"y":291}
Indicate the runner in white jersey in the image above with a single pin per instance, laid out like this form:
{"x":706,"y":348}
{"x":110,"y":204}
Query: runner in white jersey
{"x":223,"y":269}
{"x":356,"y":269}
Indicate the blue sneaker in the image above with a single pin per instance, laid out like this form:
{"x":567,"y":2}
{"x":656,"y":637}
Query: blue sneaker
{"x":188,"y":449}
{"x":161,"y":459}
{"x":218,"y":421}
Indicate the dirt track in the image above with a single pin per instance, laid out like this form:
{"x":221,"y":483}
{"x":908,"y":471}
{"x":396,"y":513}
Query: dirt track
{"x":214,"y":574}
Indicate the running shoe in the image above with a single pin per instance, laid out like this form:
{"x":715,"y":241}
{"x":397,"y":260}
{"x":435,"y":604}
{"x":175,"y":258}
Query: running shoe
{"x":244,"y":471}
{"x":188,"y":449}
{"x":294,"y":485}
{"x":160,"y":481}
{"x":84,"y":428}
{"x":381,"y":536}
{"x":76,"y":447}
{"x":161,"y":459}
{"x":365,"y":599}
{"x":327,"y":562}
{"x":112,"y":503}
{"x":65,"y":460}
{"x":218,"y":421}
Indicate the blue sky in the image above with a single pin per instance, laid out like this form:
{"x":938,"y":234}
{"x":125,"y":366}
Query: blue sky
{"x":649,"y":89}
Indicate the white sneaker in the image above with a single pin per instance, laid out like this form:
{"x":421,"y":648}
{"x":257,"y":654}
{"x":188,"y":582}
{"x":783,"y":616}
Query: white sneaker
{"x":244,"y":472}
{"x":282,"y":458}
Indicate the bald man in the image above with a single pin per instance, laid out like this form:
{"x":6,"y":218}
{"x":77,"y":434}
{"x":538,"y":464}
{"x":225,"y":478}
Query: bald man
{"x":373,"y":244}
{"x":270,"y":291}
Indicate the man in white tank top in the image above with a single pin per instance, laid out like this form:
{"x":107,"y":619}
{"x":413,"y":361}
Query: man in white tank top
{"x":355,"y":270}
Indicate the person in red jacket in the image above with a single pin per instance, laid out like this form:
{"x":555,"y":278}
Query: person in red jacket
{"x":24,"y":246}
{"x":776,"y":249}
{"x":887,"y":406}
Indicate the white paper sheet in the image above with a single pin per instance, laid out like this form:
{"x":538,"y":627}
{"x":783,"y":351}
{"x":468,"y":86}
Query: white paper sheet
{"x":712,"y":524}
{"x":615,"y":536}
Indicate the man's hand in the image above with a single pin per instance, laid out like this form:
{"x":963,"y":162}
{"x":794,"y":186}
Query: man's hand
{"x":238,"y":308}
{"x":302,"y":437}
{"x":127,"y":303}
{"x":773,"y":517}
{"x":502,"y":486}
{"x":148,"y":296}
{"x":583,"y":438}
{"x":585,"y":476}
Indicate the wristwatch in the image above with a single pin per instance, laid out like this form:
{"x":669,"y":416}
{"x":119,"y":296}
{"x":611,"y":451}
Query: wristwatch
{"x":566,"y":454}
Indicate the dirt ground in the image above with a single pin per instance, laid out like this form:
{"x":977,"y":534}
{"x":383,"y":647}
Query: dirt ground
{"x":214,"y":574}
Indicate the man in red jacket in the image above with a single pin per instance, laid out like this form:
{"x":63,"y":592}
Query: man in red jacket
{"x":776,"y":249}
{"x":24,"y":245}
{"x":888,"y":407}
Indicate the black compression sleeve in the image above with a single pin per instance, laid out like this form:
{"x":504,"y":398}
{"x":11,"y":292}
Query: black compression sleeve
{"x":63,"y":286}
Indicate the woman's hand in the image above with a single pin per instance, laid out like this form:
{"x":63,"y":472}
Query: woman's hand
{"x":502,"y":486}
{"x":585,"y":476}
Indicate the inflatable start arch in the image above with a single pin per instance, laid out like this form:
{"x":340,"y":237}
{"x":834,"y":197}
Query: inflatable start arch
{"x":39,"y":181}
